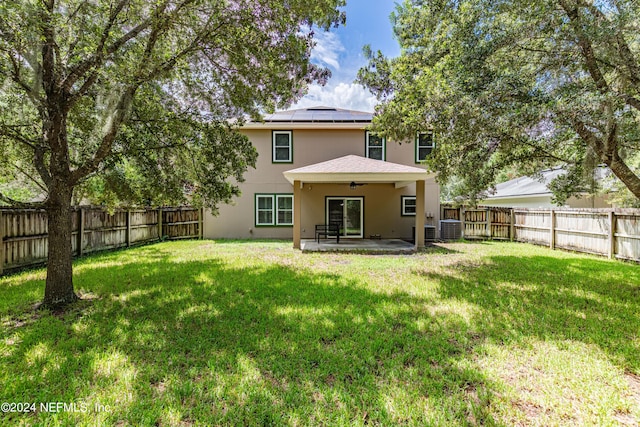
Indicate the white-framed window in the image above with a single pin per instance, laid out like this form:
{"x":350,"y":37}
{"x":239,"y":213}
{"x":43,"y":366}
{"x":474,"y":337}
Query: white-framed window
{"x":264,"y":209}
{"x":274,"y":210}
{"x":375,"y":146}
{"x":282,"y":142}
{"x":408,"y":205}
{"x":424,"y":145}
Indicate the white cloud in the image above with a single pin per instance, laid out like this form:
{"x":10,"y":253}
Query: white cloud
{"x":327,"y":49}
{"x":350,"y":96}
{"x":340,"y":92}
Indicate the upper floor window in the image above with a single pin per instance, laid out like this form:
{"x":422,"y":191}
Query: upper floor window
{"x":282,"y":146}
{"x":375,"y":146}
{"x":424,"y":145}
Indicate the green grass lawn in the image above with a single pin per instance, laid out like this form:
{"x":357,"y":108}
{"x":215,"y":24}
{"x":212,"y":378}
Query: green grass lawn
{"x":256,"y":333}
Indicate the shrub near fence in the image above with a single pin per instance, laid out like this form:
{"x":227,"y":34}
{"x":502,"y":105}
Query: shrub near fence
{"x":24,"y":238}
{"x":609,"y":232}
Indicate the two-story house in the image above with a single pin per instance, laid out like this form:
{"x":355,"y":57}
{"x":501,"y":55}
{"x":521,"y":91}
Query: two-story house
{"x":319,"y":165}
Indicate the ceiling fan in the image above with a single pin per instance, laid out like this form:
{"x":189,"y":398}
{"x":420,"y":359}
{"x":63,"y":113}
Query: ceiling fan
{"x":353,"y":185}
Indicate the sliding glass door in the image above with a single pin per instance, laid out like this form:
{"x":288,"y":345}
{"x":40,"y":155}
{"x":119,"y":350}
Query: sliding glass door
{"x":347,"y":211}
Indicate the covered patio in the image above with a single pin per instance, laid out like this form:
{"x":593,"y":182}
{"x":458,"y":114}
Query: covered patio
{"x":350,"y":172}
{"x":370,"y":246}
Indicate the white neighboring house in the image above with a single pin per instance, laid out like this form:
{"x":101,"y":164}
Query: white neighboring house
{"x":529,"y":192}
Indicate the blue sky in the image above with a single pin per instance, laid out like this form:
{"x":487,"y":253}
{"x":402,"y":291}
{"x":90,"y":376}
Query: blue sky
{"x":341,"y":51}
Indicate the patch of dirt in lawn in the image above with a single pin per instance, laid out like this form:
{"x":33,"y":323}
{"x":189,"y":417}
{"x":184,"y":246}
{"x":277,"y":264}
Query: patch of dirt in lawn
{"x":529,"y":409}
{"x":624,"y":418}
{"x":19,"y":321}
{"x":634,"y":384}
{"x":159,"y":387}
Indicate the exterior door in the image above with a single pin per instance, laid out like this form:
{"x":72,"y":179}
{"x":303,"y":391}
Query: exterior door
{"x":348,"y":212}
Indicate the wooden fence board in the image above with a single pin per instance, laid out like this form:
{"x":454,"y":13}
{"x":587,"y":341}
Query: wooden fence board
{"x":614,"y":233}
{"x":24,"y":232}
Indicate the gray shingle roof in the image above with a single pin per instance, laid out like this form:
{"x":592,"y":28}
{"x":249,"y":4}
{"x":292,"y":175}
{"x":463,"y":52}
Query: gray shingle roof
{"x":530,"y":186}
{"x":526,"y":185}
{"x":356,"y":168}
{"x":357,"y":164}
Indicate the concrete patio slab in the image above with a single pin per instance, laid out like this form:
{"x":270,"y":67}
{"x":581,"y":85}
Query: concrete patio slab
{"x":375,"y":246}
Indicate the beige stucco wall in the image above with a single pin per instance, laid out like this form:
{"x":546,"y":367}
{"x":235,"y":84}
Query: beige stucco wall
{"x":382,"y":209}
{"x":381,"y":201}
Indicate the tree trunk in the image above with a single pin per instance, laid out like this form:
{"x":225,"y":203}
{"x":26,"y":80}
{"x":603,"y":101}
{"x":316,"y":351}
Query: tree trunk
{"x":59,"y":285}
{"x":625,"y":174}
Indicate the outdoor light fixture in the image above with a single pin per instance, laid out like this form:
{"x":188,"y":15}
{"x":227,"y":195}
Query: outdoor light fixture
{"x":353,"y":185}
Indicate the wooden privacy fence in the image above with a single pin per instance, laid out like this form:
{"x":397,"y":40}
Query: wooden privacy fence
{"x":24,"y":238}
{"x":614,"y":233}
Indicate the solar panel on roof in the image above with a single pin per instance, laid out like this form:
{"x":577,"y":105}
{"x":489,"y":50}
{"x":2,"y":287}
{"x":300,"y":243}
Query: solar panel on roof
{"x":303,"y":116}
{"x":320,"y":114}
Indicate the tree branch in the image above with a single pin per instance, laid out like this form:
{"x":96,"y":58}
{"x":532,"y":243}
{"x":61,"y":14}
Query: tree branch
{"x":624,"y":51}
{"x":545,"y":153}
{"x":10,"y":132}
{"x":25,"y":205}
{"x":586,"y":47}
{"x":31,"y":178}
{"x":101,"y":55}
{"x":48,"y":52}
{"x":158,"y":25}
{"x":41,"y":167}
{"x":590,"y":138}
{"x":105,"y":148}
{"x":31,"y":92}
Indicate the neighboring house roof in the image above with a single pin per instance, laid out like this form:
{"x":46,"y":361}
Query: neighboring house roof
{"x":355,"y":168}
{"x":527,"y":186}
{"x":314,"y":117}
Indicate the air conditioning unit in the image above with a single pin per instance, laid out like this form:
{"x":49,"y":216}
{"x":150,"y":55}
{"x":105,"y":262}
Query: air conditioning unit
{"x":429,"y":233}
{"x":450,"y":229}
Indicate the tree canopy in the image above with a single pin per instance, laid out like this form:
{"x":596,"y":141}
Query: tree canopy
{"x":137,"y":100}
{"x":533,"y":83}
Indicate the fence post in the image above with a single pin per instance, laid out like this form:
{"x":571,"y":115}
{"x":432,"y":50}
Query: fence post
{"x":489,"y":231}
{"x":128,"y":222}
{"x":80,"y":230}
{"x":200,"y":223}
{"x":512,"y":223}
{"x":1,"y":243}
{"x":160,"y":224}
{"x":612,"y":235}
{"x":552,"y":237}
{"x":461,"y":213}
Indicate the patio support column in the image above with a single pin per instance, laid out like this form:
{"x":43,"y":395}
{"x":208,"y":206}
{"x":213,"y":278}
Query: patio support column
{"x":420,"y":185}
{"x":297,"y":213}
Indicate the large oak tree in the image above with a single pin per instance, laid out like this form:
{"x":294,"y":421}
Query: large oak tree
{"x":122,"y":89}
{"x":533,"y":83}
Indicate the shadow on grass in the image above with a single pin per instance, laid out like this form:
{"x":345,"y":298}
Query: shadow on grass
{"x":580,"y":299}
{"x":170,"y":342}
